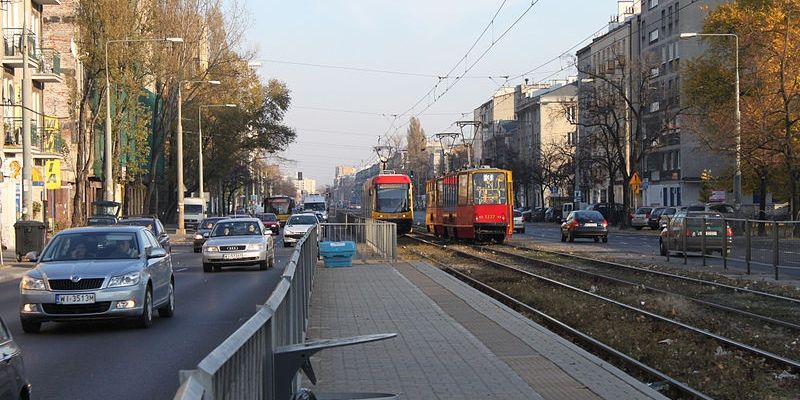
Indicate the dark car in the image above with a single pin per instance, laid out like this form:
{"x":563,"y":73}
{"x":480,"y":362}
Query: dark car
{"x":655,"y":215}
{"x":585,"y":224}
{"x":101,"y":220}
{"x":203,"y":230}
{"x":13,"y":384}
{"x":612,"y":212}
{"x":270,"y":222}
{"x":537,"y":214}
{"x":155,"y":226}
{"x":553,"y":214}
{"x":687,"y":231}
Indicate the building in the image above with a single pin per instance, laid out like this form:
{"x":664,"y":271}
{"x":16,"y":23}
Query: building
{"x":47,"y":143}
{"x":490,"y":114}
{"x":342,"y":170}
{"x":303,"y":187}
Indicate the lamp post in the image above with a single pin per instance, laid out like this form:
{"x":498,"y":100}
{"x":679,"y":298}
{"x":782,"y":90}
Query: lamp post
{"x":200,"y":143}
{"x":108,"y":180}
{"x":179,"y":144}
{"x":737,"y":177}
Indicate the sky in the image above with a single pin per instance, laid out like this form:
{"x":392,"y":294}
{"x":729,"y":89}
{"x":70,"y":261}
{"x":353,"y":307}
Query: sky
{"x":340,"y":114}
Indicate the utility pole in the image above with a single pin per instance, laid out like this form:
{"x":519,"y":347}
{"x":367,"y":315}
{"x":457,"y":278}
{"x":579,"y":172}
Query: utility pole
{"x":27,"y":156}
{"x":468,"y":143}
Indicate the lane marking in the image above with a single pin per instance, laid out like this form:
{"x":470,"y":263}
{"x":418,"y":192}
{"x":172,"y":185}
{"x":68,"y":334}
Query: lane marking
{"x":181,"y":269}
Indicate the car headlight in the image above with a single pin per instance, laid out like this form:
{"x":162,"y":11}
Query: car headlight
{"x":31,"y":283}
{"x":211,"y":249}
{"x":255,"y":246}
{"x":198,"y":236}
{"x":125,"y":280}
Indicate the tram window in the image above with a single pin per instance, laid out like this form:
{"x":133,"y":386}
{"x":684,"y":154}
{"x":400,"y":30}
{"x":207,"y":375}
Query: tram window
{"x":463,"y":189}
{"x":490,"y":188}
{"x":439,"y":192}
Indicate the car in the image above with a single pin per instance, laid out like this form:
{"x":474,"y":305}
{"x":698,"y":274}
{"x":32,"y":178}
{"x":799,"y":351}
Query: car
{"x":653,"y":218}
{"x":237,"y":242}
{"x":203,"y":230}
{"x":296,"y":227}
{"x":101,"y":220}
{"x":13,"y":381}
{"x":537,"y":214}
{"x":666,"y":216}
{"x":155,"y":226}
{"x":519,"y":223}
{"x":640,"y":217}
{"x":612,"y":212}
{"x":270,"y":222}
{"x":585,"y":224}
{"x":687,"y":228}
{"x":94,"y":273}
{"x":724,"y":209}
{"x":552,"y":214}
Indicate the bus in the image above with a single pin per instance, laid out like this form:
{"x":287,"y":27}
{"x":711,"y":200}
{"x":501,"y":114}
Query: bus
{"x":282,"y":206}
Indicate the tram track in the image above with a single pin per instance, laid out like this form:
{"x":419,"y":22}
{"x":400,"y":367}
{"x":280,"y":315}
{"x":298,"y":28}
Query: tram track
{"x":615,"y":299}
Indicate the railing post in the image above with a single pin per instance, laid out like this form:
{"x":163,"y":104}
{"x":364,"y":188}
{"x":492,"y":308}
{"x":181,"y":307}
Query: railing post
{"x":703,"y":238}
{"x":775,"y":248}
{"x":683,"y":236}
{"x":725,"y":243}
{"x":748,"y":231}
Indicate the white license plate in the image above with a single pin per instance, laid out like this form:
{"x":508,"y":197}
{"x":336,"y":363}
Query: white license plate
{"x":711,"y":233}
{"x":233,"y":256}
{"x":591,"y":224}
{"x":83,"y":298}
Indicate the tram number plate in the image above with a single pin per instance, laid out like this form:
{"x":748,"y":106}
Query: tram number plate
{"x":84,"y":298}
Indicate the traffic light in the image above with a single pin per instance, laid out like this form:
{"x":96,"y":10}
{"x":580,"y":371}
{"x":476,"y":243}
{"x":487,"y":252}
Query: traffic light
{"x":411,"y":174}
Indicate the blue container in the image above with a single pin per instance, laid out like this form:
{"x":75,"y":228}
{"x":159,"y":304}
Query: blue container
{"x":337,"y":254}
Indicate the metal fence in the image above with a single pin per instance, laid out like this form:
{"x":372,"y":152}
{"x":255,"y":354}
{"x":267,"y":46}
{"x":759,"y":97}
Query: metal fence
{"x":775,"y":244}
{"x":242,"y":367}
{"x":375,"y":240}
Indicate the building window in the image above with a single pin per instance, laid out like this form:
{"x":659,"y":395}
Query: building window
{"x":654,"y":106}
{"x":677,"y":45}
{"x":653,"y":35}
{"x":654,"y":72}
{"x":652,"y":4}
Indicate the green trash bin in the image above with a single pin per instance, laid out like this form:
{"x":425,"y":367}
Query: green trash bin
{"x":29,"y":236}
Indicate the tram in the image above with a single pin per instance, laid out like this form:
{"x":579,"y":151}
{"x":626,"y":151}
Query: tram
{"x":388,"y":197}
{"x":281,"y":206}
{"x":475,"y":203}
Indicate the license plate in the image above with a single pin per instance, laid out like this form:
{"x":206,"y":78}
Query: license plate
{"x":234,"y":256}
{"x":83,"y":298}
{"x":591,"y":224}
{"x":711,"y":233}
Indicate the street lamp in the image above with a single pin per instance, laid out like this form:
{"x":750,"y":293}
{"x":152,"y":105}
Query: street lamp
{"x":200,"y":143}
{"x":179,"y":144}
{"x":108,"y":180}
{"x":737,"y":177}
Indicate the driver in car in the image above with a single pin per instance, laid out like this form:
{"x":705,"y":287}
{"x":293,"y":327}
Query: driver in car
{"x":124,"y":250}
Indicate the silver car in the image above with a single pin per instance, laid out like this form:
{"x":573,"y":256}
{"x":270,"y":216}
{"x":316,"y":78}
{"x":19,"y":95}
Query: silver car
{"x":98,"y":273}
{"x":13,"y":384}
{"x":240,"y":241}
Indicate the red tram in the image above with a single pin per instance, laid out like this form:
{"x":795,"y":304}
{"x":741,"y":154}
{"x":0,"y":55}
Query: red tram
{"x":471,"y":204}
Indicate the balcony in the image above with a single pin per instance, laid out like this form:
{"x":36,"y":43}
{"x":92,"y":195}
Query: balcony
{"x":43,"y":140}
{"x":49,"y":68}
{"x":12,"y":48}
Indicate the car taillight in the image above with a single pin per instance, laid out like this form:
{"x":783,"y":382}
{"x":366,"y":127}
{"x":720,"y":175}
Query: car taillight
{"x":605,"y":224}
{"x":687,"y":233}
{"x":729,"y":232}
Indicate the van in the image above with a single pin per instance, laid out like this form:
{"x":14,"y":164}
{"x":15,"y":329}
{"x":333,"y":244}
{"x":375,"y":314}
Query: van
{"x":193,"y":211}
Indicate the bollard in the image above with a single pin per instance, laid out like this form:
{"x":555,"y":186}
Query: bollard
{"x":748,"y":230}
{"x":775,"y":248}
{"x":703,"y":239}
{"x":683,"y":235}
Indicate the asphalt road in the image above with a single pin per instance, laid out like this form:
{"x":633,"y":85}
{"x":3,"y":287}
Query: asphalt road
{"x":112,"y":360}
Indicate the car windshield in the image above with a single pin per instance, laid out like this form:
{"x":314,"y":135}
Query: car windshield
{"x":489,"y":188}
{"x":107,"y":245}
{"x":147,"y":223}
{"x":588,"y":216}
{"x":314,"y":206}
{"x":517,"y":213}
{"x":192,"y":208}
{"x":643,"y":210}
{"x":391,"y":197}
{"x":302,"y":220}
{"x":208,"y":223}
{"x":236,"y":228}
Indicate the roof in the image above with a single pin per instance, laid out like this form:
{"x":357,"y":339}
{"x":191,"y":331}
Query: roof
{"x":391,"y":178}
{"x":106,"y":228}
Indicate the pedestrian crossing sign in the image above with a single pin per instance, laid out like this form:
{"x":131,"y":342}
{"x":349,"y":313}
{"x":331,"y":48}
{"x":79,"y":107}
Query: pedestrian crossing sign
{"x":52,"y":174}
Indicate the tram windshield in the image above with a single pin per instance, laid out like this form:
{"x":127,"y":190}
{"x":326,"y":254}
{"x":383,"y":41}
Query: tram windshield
{"x":391,"y":198}
{"x":490,"y":188}
{"x":278,"y":206}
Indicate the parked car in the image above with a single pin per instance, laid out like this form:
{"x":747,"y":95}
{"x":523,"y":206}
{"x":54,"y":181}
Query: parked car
{"x":674,"y":236}
{"x":13,"y":381}
{"x":98,"y":273}
{"x":553,"y":214}
{"x":203,"y":230}
{"x":537,"y":215}
{"x":526,"y":214}
{"x":519,"y":223}
{"x":270,"y":222}
{"x":101,"y":220}
{"x":640,"y":217}
{"x":155,"y":226}
{"x":584,"y":224}
{"x":240,"y":241}
{"x":653,"y":219}
{"x":613,"y":213}
{"x":666,"y":216}
{"x":296,"y":227}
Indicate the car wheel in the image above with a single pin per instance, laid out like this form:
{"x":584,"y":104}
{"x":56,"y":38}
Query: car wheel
{"x":571,"y":237}
{"x":272,"y":261}
{"x":563,"y":237}
{"x":206,"y":267}
{"x":596,"y":239}
{"x":196,"y":250}
{"x":286,"y":244}
{"x":523,"y":231}
{"x":661,"y":248}
{"x":263,"y":265}
{"x":217,"y":268}
{"x":146,"y":319}
{"x":168,"y":310}
{"x":605,"y":239}
{"x":638,"y":228}
{"x":30,"y":326}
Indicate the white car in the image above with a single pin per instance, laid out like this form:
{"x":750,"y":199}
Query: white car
{"x":239,"y":241}
{"x":296,"y":227}
{"x":519,"y":223}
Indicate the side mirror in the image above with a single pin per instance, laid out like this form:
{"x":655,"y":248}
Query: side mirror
{"x":32,"y":256}
{"x":156,"y":252}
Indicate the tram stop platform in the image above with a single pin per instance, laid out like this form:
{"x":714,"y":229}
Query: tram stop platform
{"x":453,"y":342}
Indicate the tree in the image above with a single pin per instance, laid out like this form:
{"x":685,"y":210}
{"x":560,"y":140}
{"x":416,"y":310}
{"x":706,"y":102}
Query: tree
{"x":417,"y":155}
{"x":769,"y":66}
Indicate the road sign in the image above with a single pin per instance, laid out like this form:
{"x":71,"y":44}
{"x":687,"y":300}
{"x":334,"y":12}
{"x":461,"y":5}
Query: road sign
{"x":635,"y":180}
{"x":52,"y":174}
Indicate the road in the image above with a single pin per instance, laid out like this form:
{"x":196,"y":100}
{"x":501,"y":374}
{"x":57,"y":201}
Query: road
{"x":638,"y":246}
{"x":111,"y":360}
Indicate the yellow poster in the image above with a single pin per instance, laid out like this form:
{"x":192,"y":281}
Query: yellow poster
{"x":52,"y":174}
